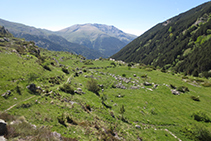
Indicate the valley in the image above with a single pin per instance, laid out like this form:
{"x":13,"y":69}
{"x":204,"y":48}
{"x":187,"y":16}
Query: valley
{"x":53,"y":86}
{"x":125,"y":102}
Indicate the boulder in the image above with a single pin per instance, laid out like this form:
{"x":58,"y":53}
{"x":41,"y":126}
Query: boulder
{"x":147,"y":84}
{"x":8,"y":93}
{"x":32,"y":87}
{"x":137,"y":126}
{"x":175,"y":92}
{"x":79,"y":89}
{"x":6,"y":39}
{"x":3,"y":127}
{"x":56,"y":135}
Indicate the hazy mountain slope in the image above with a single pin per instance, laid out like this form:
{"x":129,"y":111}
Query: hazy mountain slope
{"x":46,"y":39}
{"x":107,"y":39}
{"x":176,"y":43}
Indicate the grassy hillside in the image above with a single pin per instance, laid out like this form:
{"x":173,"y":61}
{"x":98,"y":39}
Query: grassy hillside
{"x":136,"y":102}
{"x":181,"y":43}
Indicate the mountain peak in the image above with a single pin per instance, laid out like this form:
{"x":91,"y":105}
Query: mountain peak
{"x":105,"y":38}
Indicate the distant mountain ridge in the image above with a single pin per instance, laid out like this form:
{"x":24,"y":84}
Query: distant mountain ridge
{"x":182,"y":43}
{"x":48,"y":39}
{"x":107,"y":39}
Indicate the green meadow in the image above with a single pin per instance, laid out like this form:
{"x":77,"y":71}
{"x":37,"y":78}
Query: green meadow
{"x":102,"y":99}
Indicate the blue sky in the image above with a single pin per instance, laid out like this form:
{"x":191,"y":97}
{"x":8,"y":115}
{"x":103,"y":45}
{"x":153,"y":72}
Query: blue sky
{"x":131,"y":16}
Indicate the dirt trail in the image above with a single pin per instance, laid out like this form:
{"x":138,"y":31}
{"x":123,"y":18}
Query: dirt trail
{"x":172,"y":134}
{"x":18,"y":103}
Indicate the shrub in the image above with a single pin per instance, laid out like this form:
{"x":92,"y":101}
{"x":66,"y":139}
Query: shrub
{"x":172,"y":86}
{"x":67,"y":89}
{"x":184,"y":77}
{"x":206,"y":84}
{"x":65,"y":70}
{"x":148,"y":69}
{"x":92,"y":86}
{"x":112,"y":63}
{"x":61,"y":119}
{"x":32,"y":77}
{"x":18,"y":90}
{"x":200,"y":116}
{"x":195,"y":98}
{"x":123,"y":75}
{"x":197,"y":132}
{"x":183,"y":89}
{"x":26,"y":105}
{"x":7,"y":117}
{"x":47,"y":67}
{"x":144,"y":76}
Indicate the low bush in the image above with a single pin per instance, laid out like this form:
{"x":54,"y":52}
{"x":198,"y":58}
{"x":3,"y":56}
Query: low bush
{"x":144,"y":76}
{"x":206,"y":84}
{"x":200,"y":116}
{"x":65,"y":70}
{"x":7,"y":117}
{"x":183,"y":89}
{"x":197,"y":132}
{"x":67,"y":89}
{"x":195,"y":98}
{"x":92,"y":85}
{"x":172,"y":86}
{"x":18,"y":89}
{"x":123,"y":75}
{"x":47,"y":67}
{"x":149,"y":69}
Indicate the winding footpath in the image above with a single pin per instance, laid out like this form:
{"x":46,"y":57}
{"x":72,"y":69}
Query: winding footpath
{"x":18,"y":103}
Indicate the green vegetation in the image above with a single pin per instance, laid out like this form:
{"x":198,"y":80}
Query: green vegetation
{"x":182,"y":42}
{"x":95,"y":100}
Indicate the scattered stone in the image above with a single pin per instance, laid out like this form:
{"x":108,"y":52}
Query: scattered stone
{"x":56,"y":135}
{"x":137,"y":126}
{"x":175,"y":92}
{"x":8,"y":93}
{"x":147,"y":84}
{"x":80,"y":72}
{"x":6,"y":39}
{"x":120,"y":86}
{"x":101,"y":86}
{"x":79,"y":89}
{"x":2,"y":138}
{"x":149,"y":89}
{"x":155,"y":86}
{"x":134,"y":87}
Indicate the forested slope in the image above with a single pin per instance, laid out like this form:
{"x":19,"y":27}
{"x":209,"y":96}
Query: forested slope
{"x":182,"y":42}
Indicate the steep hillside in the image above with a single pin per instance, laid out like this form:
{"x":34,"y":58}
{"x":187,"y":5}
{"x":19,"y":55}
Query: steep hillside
{"x":106,"y":39}
{"x":48,"y":40}
{"x":182,"y":43}
{"x":59,"y":96}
